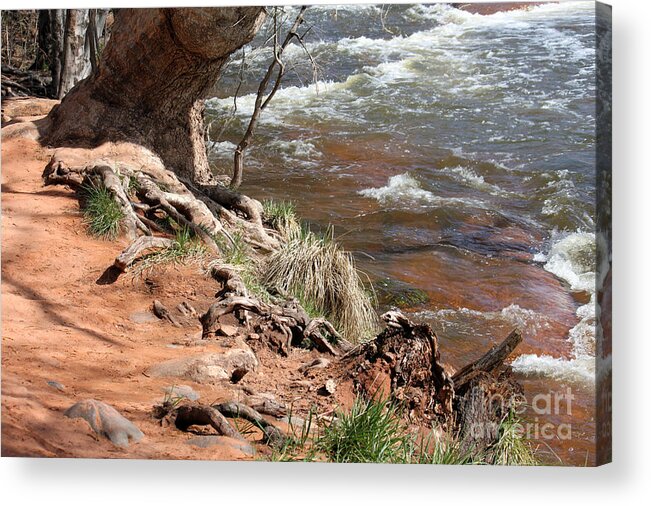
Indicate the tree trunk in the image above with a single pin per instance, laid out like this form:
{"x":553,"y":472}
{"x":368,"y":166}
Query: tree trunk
{"x":76,"y":63}
{"x":153,"y":76}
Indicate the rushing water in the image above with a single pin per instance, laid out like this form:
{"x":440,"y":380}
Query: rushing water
{"x":453,"y":152}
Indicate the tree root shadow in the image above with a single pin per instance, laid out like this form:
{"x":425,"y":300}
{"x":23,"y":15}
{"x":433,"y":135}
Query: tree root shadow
{"x":109,"y":276}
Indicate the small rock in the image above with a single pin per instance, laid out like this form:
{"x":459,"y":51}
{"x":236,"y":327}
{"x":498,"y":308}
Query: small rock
{"x":294,"y":423}
{"x":209,"y":441}
{"x":106,"y":421}
{"x":227,"y":330}
{"x":57,"y":385}
{"x":182,"y":391}
{"x":329,"y":388}
{"x":207,"y":367}
{"x":163,"y":313}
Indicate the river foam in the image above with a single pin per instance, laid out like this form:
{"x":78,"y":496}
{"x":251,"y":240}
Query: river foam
{"x":404,"y":190}
{"x":572,"y":258}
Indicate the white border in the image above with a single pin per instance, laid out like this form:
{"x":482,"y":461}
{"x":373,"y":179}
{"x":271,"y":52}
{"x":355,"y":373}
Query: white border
{"x":34,"y":481}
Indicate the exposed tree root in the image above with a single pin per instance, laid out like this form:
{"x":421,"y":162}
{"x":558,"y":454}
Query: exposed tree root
{"x":273,"y":436}
{"x":289,"y":319}
{"x":189,"y":413}
{"x":144,"y":243}
{"x":185,"y":210}
{"x":206,"y":210}
{"x":163,"y":313}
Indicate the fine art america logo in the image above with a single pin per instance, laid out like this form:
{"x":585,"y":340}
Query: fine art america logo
{"x":544,"y":407}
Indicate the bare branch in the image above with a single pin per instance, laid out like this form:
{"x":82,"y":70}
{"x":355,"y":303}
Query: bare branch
{"x":260,"y":101}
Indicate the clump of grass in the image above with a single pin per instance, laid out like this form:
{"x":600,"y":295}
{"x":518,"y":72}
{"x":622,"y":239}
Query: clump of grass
{"x":374,"y":431}
{"x":317,"y":270}
{"x":448,"y":451}
{"x":281,"y":215}
{"x":235,"y":253}
{"x":102,"y":214}
{"x":186,"y":248}
{"x":511,"y":448}
{"x":371,"y":431}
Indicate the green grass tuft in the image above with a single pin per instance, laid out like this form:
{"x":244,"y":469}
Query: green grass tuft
{"x":371,"y":431}
{"x":374,"y":431}
{"x":281,"y":215}
{"x":512,"y":449}
{"x":235,"y":253}
{"x":102,"y":214}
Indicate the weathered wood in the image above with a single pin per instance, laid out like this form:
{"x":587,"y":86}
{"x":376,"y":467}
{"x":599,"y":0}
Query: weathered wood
{"x":113,"y":184}
{"x":192,"y":413}
{"x":490,"y":361}
{"x":143,"y":243}
{"x":272,"y":434}
{"x":187,"y":310}
{"x":403,"y":361}
{"x":312,"y":332}
{"x":197,"y":217}
{"x":269,"y":407}
{"x":230,"y":279}
{"x":154,"y":96}
{"x":164,"y":314}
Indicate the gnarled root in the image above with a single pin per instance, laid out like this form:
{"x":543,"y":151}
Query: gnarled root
{"x":273,"y":436}
{"x":185,"y":210}
{"x":190,"y":413}
{"x":289,"y":320}
{"x":239,"y":212}
{"x":206,"y":210}
{"x":144,"y":243}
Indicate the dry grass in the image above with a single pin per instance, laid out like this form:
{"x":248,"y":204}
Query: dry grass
{"x":316,"y":269}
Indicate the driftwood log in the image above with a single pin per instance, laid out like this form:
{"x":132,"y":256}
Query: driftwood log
{"x":472,"y":402}
{"x":488,"y":362}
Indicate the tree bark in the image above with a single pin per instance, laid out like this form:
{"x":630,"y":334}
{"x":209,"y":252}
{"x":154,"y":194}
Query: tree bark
{"x":76,"y":61}
{"x":152,"y":78}
{"x":68,"y":43}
